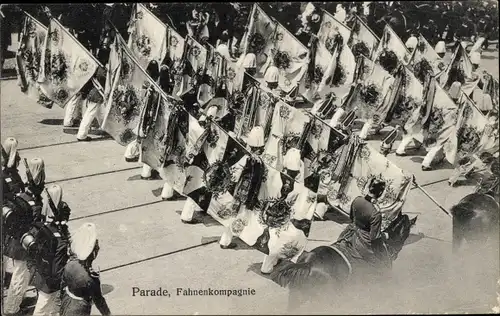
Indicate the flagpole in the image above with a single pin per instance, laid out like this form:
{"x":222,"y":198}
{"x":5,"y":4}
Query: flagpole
{"x":36,"y":21}
{"x":430,"y":197}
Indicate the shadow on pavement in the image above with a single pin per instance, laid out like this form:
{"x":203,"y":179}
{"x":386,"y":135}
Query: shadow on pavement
{"x":417,"y":159}
{"x":107,"y":288}
{"x":413,"y":238}
{"x":52,"y":122}
{"x":202,"y":218}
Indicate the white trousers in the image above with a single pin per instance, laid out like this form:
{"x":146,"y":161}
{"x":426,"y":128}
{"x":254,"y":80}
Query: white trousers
{"x":431,"y":154}
{"x":18,"y":286}
{"x":405,"y":141}
{"x":72,"y":110}
{"x":366,"y":129}
{"x":268,"y":264}
{"x":335,"y":121}
{"x":87,"y":119}
{"x":47,"y":304}
{"x":146,"y":171}
{"x":321,"y":209}
{"x":227,"y":237}
{"x":167,"y":192}
{"x":188,"y":210}
{"x":132,"y":150}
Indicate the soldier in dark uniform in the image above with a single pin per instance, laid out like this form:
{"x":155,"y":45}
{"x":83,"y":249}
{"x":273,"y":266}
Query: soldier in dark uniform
{"x":365,"y":234}
{"x":11,"y":180}
{"x":81,"y":284}
{"x":51,"y":254}
{"x":30,"y":204}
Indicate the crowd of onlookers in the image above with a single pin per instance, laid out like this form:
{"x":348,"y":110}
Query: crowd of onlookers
{"x":436,"y":20}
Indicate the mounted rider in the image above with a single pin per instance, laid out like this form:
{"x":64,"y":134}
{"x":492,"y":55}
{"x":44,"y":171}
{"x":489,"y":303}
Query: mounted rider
{"x":363,"y":238}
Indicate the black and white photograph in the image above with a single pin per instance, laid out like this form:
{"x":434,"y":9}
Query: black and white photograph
{"x":250,"y":158}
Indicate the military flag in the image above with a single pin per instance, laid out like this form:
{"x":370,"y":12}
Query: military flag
{"x":258,"y":39}
{"x":372,"y":98}
{"x":192,"y":68}
{"x":360,"y":164}
{"x":470,"y":128}
{"x":333,"y":64}
{"x":362,"y":40}
{"x":28,"y":57}
{"x":425,"y":59}
{"x":459,"y":69}
{"x":391,"y":51}
{"x":129,"y":94}
{"x":433,"y":123}
{"x":290,"y":56}
{"x":287,"y":130}
{"x":148,"y":36}
{"x":66,"y":65}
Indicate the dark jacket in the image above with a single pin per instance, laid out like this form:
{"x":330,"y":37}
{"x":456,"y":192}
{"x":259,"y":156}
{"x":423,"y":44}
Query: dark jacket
{"x":49,"y":265}
{"x":84,"y":283}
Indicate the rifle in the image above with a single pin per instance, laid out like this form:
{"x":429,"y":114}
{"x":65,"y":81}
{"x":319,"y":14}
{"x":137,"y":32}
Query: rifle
{"x":28,"y":173}
{"x":5,"y":157}
{"x":52,"y":205}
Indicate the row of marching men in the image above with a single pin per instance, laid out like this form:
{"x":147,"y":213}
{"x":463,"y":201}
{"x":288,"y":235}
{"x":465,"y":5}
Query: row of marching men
{"x":39,"y":247}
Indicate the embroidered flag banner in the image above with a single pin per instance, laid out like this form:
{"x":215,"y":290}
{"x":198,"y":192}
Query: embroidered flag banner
{"x":471,"y":125}
{"x":425,"y":59}
{"x":28,"y":58}
{"x":409,"y":97}
{"x":371,"y":99}
{"x":334,"y":63}
{"x":258,"y":39}
{"x":287,"y":129}
{"x":67,"y":66}
{"x":459,"y":69}
{"x":193,"y":66}
{"x":148,"y":36}
{"x":320,"y":152}
{"x":257,"y":110}
{"x":390,"y":50}
{"x":362,"y":40}
{"x":128,"y":96}
{"x":366,"y":163}
{"x":290,"y":56}
{"x":434,"y":122}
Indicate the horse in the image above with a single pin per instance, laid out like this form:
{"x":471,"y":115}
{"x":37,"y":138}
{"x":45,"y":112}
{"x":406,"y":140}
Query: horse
{"x":476,"y":220}
{"x":326,"y":268}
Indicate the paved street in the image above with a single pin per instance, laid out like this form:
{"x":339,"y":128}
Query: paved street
{"x":145,"y":245}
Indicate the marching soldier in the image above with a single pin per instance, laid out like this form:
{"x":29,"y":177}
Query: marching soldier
{"x":12,"y":182}
{"x":93,"y":100}
{"x":365,"y":231}
{"x":255,"y":144}
{"x":30,"y":203}
{"x":81,"y":284}
{"x":52,"y":254}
